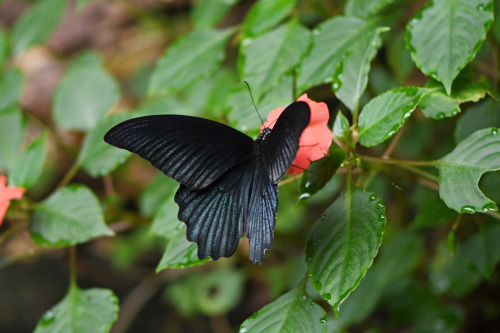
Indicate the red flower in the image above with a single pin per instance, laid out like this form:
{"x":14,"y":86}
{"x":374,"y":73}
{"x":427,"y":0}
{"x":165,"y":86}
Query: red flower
{"x":316,"y":138}
{"x":8,"y":193}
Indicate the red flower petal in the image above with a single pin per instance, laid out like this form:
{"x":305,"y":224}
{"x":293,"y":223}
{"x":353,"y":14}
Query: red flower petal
{"x":8,"y":193}
{"x":317,"y":139}
{"x":319,"y":111}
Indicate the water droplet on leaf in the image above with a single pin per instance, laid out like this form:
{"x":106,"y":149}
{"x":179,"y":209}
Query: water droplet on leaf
{"x":468,"y":209}
{"x":372,"y":197}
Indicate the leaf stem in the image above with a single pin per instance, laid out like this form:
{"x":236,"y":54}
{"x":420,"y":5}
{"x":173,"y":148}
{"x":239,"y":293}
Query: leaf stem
{"x":393,"y":144}
{"x":69,"y":175}
{"x":419,"y":172}
{"x":72,"y":266}
{"x":394,"y":161}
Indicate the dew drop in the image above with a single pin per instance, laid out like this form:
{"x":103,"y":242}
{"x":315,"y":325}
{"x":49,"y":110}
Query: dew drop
{"x":48,"y":318}
{"x":454,"y":112}
{"x":326,"y":296}
{"x":243,"y":330}
{"x":335,"y":86}
{"x":490,"y":206}
{"x":381,"y":217}
{"x":310,"y":250}
{"x":255,"y":315}
{"x":494,"y":131}
{"x":304,"y":196}
{"x":379,"y":204}
{"x":372,"y":197}
{"x":244,"y":128}
{"x":322,"y":217}
{"x":317,"y":285}
{"x":480,"y":7}
{"x":322,"y":320}
{"x":328,"y":80}
{"x":440,"y":115}
{"x":468,"y":209}
{"x":312,"y":303}
{"x":308,"y":184}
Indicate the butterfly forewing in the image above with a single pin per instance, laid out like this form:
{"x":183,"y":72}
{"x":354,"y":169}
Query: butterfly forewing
{"x":283,"y":143}
{"x":193,"y":151}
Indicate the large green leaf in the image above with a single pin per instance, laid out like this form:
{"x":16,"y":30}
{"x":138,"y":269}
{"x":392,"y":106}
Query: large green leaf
{"x":460,"y":171}
{"x":10,"y":89}
{"x":365,"y":8}
{"x":85,"y":94}
{"x":71,"y":215}
{"x":91,"y":310}
{"x":344,"y":242}
{"x":294,"y":312}
{"x":331,"y":41}
{"x":482,"y":115}
{"x":271,"y":56}
{"x":12,"y":131}
{"x":341,"y":127}
{"x":446,"y":34}
{"x":384,"y":115}
{"x":207,"y":14}
{"x":438,"y":105}
{"x":180,"y":253}
{"x":265,"y":14}
{"x":351,"y":75}
{"x":96,"y":156}
{"x":37,"y":24}
{"x":165,"y":223}
{"x":29,"y":166}
{"x":242,"y":113}
{"x":189,"y":59}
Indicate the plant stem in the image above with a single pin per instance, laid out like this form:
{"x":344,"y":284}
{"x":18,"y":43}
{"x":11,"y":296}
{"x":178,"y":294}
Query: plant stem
{"x":290,"y":179}
{"x":69,"y":175}
{"x":419,"y":172}
{"x":393,"y":144}
{"x":394,"y":161}
{"x":72,"y":266}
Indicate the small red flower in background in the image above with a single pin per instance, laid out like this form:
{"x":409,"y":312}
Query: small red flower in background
{"x":8,"y":193}
{"x":316,"y":138}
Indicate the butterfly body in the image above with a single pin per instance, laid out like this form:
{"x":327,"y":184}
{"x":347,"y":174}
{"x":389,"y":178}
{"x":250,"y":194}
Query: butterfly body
{"x":229,"y":183}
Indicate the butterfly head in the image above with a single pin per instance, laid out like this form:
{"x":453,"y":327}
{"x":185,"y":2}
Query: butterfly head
{"x":266,"y":132}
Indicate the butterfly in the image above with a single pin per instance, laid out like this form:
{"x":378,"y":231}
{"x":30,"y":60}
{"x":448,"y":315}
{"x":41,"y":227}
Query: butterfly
{"x":228,"y":181}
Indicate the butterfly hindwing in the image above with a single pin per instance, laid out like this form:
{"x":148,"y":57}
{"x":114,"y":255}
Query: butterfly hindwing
{"x":193,"y":151}
{"x":283,"y":143}
{"x":216,"y":215}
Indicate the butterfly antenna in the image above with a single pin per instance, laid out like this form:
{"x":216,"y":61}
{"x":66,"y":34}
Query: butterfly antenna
{"x":250,"y":91}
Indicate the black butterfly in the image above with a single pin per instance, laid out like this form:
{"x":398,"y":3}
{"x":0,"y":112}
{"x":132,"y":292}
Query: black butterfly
{"x":229,"y":183}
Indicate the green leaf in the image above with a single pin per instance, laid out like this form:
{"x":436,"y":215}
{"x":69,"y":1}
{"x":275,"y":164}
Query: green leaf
{"x":160,"y":188}
{"x":4,"y":47}
{"x":460,"y":171}
{"x":331,"y":41}
{"x":37,"y":24}
{"x":321,"y":171}
{"x":96,"y":156}
{"x":293,"y":312}
{"x":210,"y":294}
{"x":365,"y":8}
{"x":351,"y":75}
{"x":266,"y":59}
{"x":385,"y":114}
{"x":445,"y":35}
{"x":482,"y":115}
{"x":180,"y":253}
{"x":207,"y":14}
{"x":265,"y":14}
{"x":438,"y":105}
{"x":91,"y":310}
{"x":12,"y":132}
{"x":344,"y":242}
{"x":10,"y":88}
{"x":70,"y":216}
{"x":341,"y":126}
{"x":482,"y":250}
{"x":84,"y":95}
{"x":242,"y":113}
{"x":165,"y":223}
{"x":189,"y":59}
{"x":30,"y":165}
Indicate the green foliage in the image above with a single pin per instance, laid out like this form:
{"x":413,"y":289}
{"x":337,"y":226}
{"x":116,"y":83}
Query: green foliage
{"x":197,"y":56}
{"x":374,"y":63}
{"x":293,"y":312}
{"x":344,"y":242}
{"x":90,"y":310}
{"x":37,"y":24}
{"x":69,"y":216}
{"x":85,"y":94}
{"x":445,"y":35}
